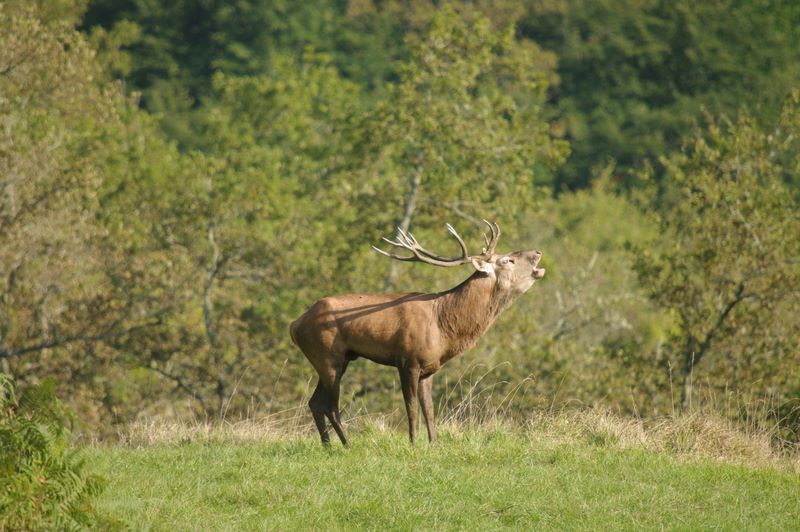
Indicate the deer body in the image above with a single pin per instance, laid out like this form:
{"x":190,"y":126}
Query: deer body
{"x":414,"y":332}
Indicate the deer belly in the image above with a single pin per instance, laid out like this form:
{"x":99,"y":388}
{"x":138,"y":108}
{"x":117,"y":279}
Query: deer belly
{"x":392,"y":347}
{"x":372,"y":349}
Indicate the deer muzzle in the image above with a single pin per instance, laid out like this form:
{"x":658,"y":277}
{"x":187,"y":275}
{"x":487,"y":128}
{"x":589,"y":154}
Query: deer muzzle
{"x":537,"y":273}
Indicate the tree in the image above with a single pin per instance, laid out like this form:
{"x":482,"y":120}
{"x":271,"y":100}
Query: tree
{"x":51,"y":114}
{"x":303,"y":173}
{"x":85,"y":251}
{"x":728,"y":264}
{"x":462,"y":132}
{"x":635,"y":75}
{"x":43,"y":485}
{"x":241,"y":234}
{"x":590,"y":335}
{"x":461,"y":135}
{"x":172,"y":52}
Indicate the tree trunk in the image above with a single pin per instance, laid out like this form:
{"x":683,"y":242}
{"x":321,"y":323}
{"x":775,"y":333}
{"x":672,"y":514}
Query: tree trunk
{"x":696,"y":349}
{"x":408,"y":215}
{"x":688,"y":373}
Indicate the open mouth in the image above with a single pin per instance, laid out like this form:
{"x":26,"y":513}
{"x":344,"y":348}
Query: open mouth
{"x":537,"y":273}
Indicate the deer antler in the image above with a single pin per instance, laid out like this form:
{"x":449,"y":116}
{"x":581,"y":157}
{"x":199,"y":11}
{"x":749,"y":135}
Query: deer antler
{"x":491,"y":244}
{"x":406,"y":240}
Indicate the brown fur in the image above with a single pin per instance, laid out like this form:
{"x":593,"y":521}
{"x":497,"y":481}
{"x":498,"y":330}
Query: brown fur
{"x":414,"y":332}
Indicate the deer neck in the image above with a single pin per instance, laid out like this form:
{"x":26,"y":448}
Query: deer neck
{"x":465,"y":312}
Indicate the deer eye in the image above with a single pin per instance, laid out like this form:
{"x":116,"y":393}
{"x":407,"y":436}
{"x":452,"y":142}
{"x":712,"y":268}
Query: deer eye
{"x":505,"y":260}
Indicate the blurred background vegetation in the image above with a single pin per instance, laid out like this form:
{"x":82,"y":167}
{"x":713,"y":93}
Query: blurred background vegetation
{"x":180,"y":180}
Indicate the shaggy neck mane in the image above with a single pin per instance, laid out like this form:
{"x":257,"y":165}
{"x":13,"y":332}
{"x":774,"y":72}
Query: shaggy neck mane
{"x":466,"y":311}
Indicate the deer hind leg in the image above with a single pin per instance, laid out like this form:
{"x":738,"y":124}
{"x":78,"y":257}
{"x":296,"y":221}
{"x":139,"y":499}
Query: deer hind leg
{"x":426,"y":402}
{"x":332,"y":410}
{"x":318,"y":404}
{"x":325,"y":400}
{"x":409,"y":380}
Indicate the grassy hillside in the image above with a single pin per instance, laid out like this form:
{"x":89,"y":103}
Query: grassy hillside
{"x":586,"y":472}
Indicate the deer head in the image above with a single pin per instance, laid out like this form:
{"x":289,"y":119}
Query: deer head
{"x":513,"y":273}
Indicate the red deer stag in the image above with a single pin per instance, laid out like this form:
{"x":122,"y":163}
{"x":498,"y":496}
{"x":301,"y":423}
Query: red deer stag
{"x":414,"y":332}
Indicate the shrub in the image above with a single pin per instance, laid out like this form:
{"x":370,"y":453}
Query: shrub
{"x":43,"y":484}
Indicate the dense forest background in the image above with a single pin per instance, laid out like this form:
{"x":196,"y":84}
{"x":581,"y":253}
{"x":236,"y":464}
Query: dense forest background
{"x":180,"y":180}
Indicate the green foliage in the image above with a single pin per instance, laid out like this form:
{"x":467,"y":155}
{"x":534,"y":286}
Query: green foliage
{"x":85,"y":177}
{"x":586,"y":334}
{"x":241,"y":230}
{"x":54,"y":117}
{"x":43,"y":483}
{"x":155,"y":246}
{"x":726,"y":264}
{"x":172,"y":52}
{"x":636,"y":75}
{"x":633,"y":77}
{"x":301,"y":174}
{"x":468,"y":104}
{"x":460,"y":135}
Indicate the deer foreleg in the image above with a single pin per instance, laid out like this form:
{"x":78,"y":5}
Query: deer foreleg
{"x":426,"y":402}
{"x":409,"y":380}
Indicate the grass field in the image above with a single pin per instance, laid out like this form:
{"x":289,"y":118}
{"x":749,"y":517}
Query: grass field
{"x":574,"y":473}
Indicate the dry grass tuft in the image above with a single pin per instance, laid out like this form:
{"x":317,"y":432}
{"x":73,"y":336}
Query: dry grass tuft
{"x":473,"y":406}
{"x":151,"y":432}
{"x":692,"y":435}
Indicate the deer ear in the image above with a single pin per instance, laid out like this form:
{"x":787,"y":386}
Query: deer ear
{"x":483,"y":265}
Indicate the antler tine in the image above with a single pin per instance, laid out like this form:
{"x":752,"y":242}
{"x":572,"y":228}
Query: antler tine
{"x":461,"y":243}
{"x":464,"y":253}
{"x":392,"y":242}
{"x":406,"y":237}
{"x":402,"y":242}
{"x":491,"y":244}
{"x":411,"y":242}
{"x":392,"y":255}
{"x":407,"y":241}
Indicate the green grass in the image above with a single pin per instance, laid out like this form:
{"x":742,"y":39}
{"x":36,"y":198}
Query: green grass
{"x":475,"y":479}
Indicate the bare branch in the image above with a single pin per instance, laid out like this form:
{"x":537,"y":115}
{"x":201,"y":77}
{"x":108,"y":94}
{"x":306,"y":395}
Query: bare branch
{"x":455,"y":206}
{"x":217,"y":260}
{"x":709,"y":338}
{"x":408,"y":212}
{"x":8,"y":69}
{"x":180,"y":383}
{"x":56,"y":342}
